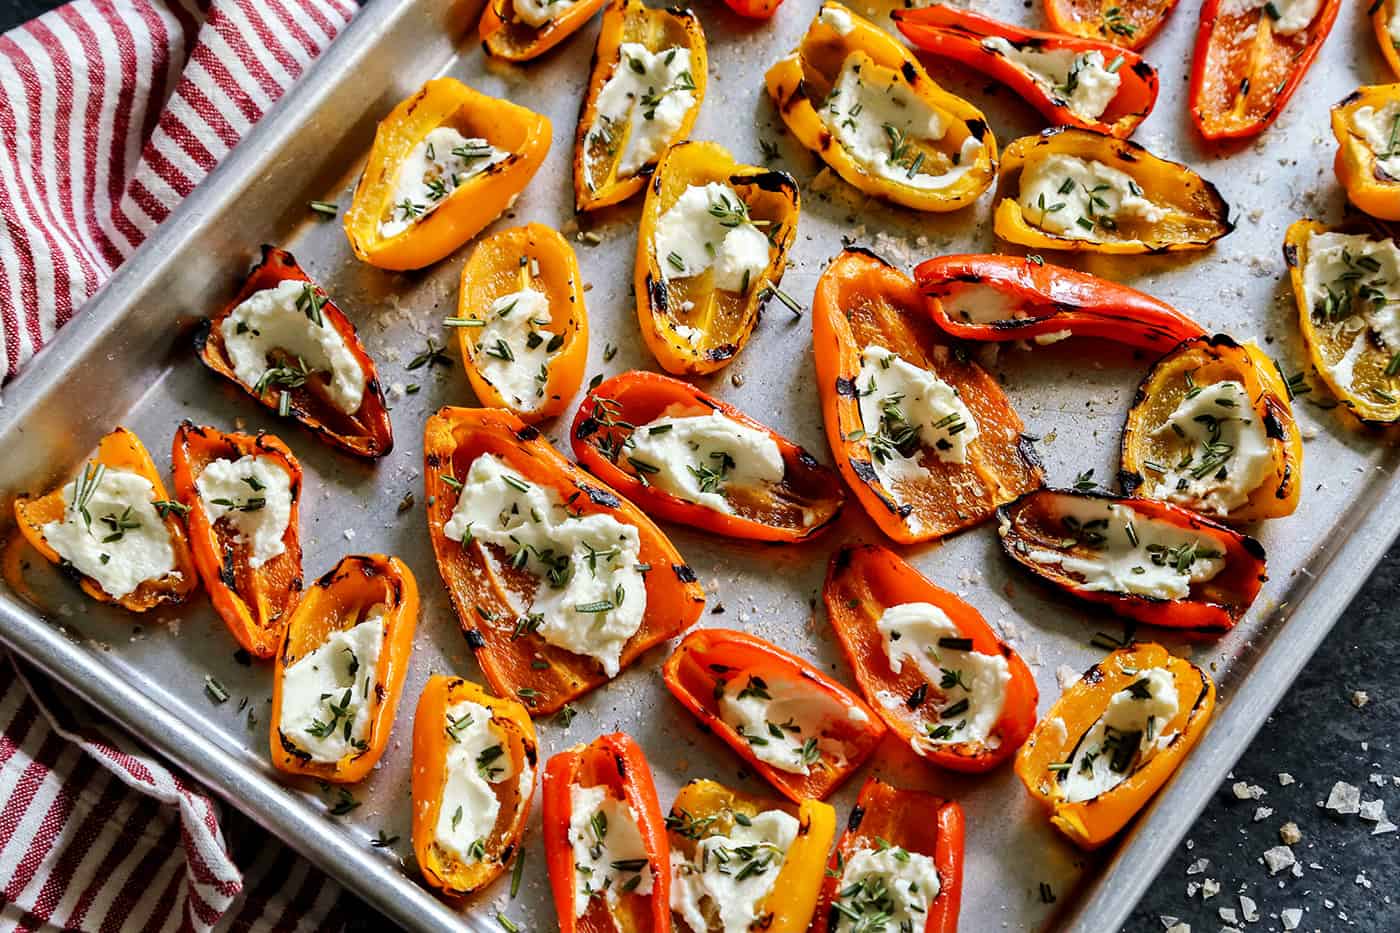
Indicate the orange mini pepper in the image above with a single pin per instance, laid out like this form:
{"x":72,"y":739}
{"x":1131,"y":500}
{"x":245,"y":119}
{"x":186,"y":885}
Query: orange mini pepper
{"x":615,"y":764}
{"x":710,"y":664}
{"x":1045,"y":759}
{"x":1129,"y":24}
{"x":861,"y":583}
{"x":961,"y":35}
{"x":434,"y":734}
{"x":915,"y":821}
{"x":861,"y":301}
{"x":802,"y":505}
{"x":254,"y":602}
{"x":1381,"y":13}
{"x":119,"y":450}
{"x":485,"y":583}
{"x":1150,"y":454}
{"x":466,"y":208}
{"x":995,"y":297}
{"x":535,"y":258}
{"x":1358,"y":166}
{"x":1244,"y":70}
{"x":506,"y":35}
{"x":1042,"y":533}
{"x":339,"y":601}
{"x":286,"y":387}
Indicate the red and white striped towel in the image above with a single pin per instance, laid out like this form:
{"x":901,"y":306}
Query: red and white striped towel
{"x":111,"y":111}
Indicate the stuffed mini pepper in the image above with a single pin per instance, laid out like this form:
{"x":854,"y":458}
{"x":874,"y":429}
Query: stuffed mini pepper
{"x":284,"y":342}
{"x":1146,"y":560}
{"x":690,"y":458}
{"x":114,"y":527}
{"x":802,"y":731}
{"x":1113,"y":738}
{"x":521,"y":322}
{"x":923,"y":435}
{"x":242,"y":495}
{"x":444,"y":164}
{"x":927,"y":662}
{"x":558,"y":582}
{"x":519,"y":30}
{"x":859,"y":99}
{"x":605,"y":840}
{"x":340,"y":671}
{"x":1129,"y":24}
{"x":474,"y":762}
{"x":1367,"y":127}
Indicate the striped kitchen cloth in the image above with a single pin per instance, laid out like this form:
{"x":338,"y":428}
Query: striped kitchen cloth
{"x":111,"y":111}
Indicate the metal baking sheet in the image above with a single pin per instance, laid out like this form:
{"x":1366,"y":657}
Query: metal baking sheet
{"x":128,"y":362}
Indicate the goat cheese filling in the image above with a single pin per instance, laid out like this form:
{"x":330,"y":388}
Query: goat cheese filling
{"x":642,"y":106}
{"x":435,"y":168}
{"x":1124,"y":738}
{"x":513,"y":348}
{"x":708,"y":228}
{"x":1285,"y":17}
{"x":326,"y":693}
{"x":783,"y":720}
{"x":1082,"y":198}
{"x":538,"y":13}
{"x":890,"y":883}
{"x":476,"y":759}
{"x":1227,"y":455}
{"x":701,"y":458}
{"x":253,"y":494}
{"x":1080,"y":81}
{"x":1380,"y":128}
{"x":723,"y":886}
{"x":610,"y":859}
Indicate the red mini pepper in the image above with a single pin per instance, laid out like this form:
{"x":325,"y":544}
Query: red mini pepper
{"x":1044,"y":301}
{"x":915,"y":821}
{"x":709,"y":662}
{"x":804,"y":503}
{"x":959,"y":34}
{"x":1126,"y":23}
{"x":614,"y":762}
{"x":1243,"y":70}
{"x":861,"y":583}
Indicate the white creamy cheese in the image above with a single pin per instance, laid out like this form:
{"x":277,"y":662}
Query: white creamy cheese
{"x":1124,"y":738}
{"x":700,"y":457}
{"x":476,"y":759}
{"x":1284,"y":16}
{"x":973,"y":684}
{"x":1081,"y":80}
{"x":880,"y":128}
{"x":539,"y":12}
{"x":723,"y":886}
{"x":1393,"y":27}
{"x":1133,"y":554}
{"x":513,"y":347}
{"x":121,"y":541}
{"x":609,"y":856}
{"x":642,"y":105}
{"x":1229,"y":450}
{"x":288,"y":317}
{"x":782,"y":720}
{"x":837,"y":18}
{"x":1080,"y":198}
{"x":591,"y":596}
{"x":435,"y":168}
{"x":1352,"y":283}
{"x":892,"y":882}
{"x":1344,"y":370}
{"x":708,"y":227}
{"x":254,"y":494}
{"x":981,"y":304}
{"x":326,"y":693}
{"x":1380,"y":128}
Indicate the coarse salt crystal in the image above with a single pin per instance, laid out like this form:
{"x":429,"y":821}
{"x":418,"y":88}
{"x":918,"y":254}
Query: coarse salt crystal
{"x":1209,"y":889}
{"x":1262,"y":813}
{"x":1290,"y":833}
{"x":1228,"y":915}
{"x":1359,"y":698}
{"x":1198,"y":866}
{"x":1291,"y":917}
{"x":1248,"y":909}
{"x":1372,"y":810}
{"x":1284,"y":779}
{"x":1278,"y":858}
{"x":1344,"y":798}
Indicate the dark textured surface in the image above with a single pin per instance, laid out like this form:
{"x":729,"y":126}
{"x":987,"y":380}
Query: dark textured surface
{"x":1317,"y":736}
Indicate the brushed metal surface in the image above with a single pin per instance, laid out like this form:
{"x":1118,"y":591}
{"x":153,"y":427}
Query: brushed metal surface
{"x":128,"y":362}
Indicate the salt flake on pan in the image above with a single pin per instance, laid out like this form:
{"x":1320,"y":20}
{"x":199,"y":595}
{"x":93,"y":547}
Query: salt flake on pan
{"x":1278,"y":858}
{"x":1344,"y":798}
{"x":1291,"y":917}
{"x":1372,"y":810}
{"x":1290,"y":834}
{"x":1198,"y":866}
{"x":1249,"y":909}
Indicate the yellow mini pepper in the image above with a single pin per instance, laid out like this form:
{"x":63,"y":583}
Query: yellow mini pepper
{"x":1359,"y":168}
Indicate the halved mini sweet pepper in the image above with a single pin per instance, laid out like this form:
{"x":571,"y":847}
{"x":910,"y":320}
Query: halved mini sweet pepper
{"x":1151,"y":561}
{"x":1198,"y":469}
{"x":641,"y":901}
{"x":1180,"y":209}
{"x":1382,"y":13}
{"x":506,"y":34}
{"x":695,"y":320}
{"x":361,"y":588}
{"x":435,"y":733}
{"x":119,"y":450}
{"x":286,"y":387}
{"x":885,"y":817}
{"x":801,"y":505}
{"x":1046,"y":759}
{"x":863,"y":302}
{"x":754,"y":9}
{"x":996,"y":297}
{"x":1248,"y":61}
{"x":532,"y":258}
{"x":642,"y":46}
{"x":715,"y":672}
{"x":706,"y":809}
{"x":1129,"y":24}
{"x":255,"y":602}
{"x":820,"y":90}
{"x":1359,"y":164}
{"x":485,"y":584}
{"x":981,"y":42}
{"x":862,"y":582}
{"x":1360,"y":370}
{"x":461,"y":210}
